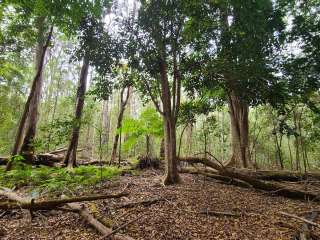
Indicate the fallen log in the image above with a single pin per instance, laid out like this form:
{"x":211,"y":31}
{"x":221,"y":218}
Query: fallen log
{"x":27,"y":203}
{"x":87,"y":217}
{"x":46,"y":159}
{"x":4,"y":160}
{"x":276,"y":175}
{"x":214,"y":174}
{"x":204,"y":161}
{"x":267,"y":175}
{"x":275,"y":188}
{"x":94,"y":162}
{"x":61,"y":150}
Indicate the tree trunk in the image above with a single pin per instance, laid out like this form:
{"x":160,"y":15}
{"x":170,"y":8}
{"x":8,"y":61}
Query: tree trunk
{"x":71,"y":155}
{"x":239,"y":116}
{"x":297,"y":140}
{"x":161,"y":153}
{"x":169,"y":122}
{"x":172,"y":175}
{"x":27,"y":148}
{"x":123,"y":103}
{"x":278,"y":142}
{"x":180,"y":139}
{"x":33,"y":92}
{"x":148,"y":145}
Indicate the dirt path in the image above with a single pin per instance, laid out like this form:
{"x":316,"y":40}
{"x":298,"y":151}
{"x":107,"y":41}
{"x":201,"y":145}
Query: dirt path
{"x":176,"y":217}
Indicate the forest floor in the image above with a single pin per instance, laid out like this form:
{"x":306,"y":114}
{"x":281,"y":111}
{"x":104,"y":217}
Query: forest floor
{"x":177,"y":216}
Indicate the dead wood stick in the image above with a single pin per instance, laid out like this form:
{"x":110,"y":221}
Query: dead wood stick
{"x":146,"y":202}
{"x":27,"y":203}
{"x":119,"y":228}
{"x":304,"y":232}
{"x":87,"y":217}
{"x":300,"y":219}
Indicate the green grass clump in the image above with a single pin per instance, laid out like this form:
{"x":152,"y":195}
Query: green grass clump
{"x":51,"y":179}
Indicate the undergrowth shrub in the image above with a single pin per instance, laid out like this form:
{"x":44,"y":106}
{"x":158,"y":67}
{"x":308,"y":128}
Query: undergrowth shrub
{"x":51,"y":179}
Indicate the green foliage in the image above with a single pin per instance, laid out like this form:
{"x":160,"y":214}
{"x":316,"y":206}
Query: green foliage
{"x":234,"y":44}
{"x":66,"y":15}
{"x":50,"y":179}
{"x":55,"y":133}
{"x":148,"y":123}
{"x":191,"y":109}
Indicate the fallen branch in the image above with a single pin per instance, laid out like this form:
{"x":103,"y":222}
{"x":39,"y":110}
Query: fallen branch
{"x":304,"y":232}
{"x":119,"y":228}
{"x":300,"y":219}
{"x":27,"y":203}
{"x":87,"y":217}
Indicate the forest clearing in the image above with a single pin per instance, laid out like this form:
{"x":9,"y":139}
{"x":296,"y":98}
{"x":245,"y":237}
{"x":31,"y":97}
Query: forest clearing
{"x":160,"y":119}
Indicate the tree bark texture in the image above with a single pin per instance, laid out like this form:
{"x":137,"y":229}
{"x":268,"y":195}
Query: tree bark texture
{"x":71,"y":155}
{"x":169,"y":121}
{"x":36,"y":87}
{"x":239,"y":116}
{"x":18,"y":202}
{"x":27,"y":148}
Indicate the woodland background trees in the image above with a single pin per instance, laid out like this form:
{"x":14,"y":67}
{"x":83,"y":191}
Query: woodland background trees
{"x":236,"y":79}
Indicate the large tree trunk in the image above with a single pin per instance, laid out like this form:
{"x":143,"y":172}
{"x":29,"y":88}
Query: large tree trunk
{"x":123,"y":104}
{"x":71,"y":154}
{"x":239,"y":116}
{"x":33,"y":98}
{"x":172,"y":175}
{"x":27,"y":148}
{"x":169,"y":121}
